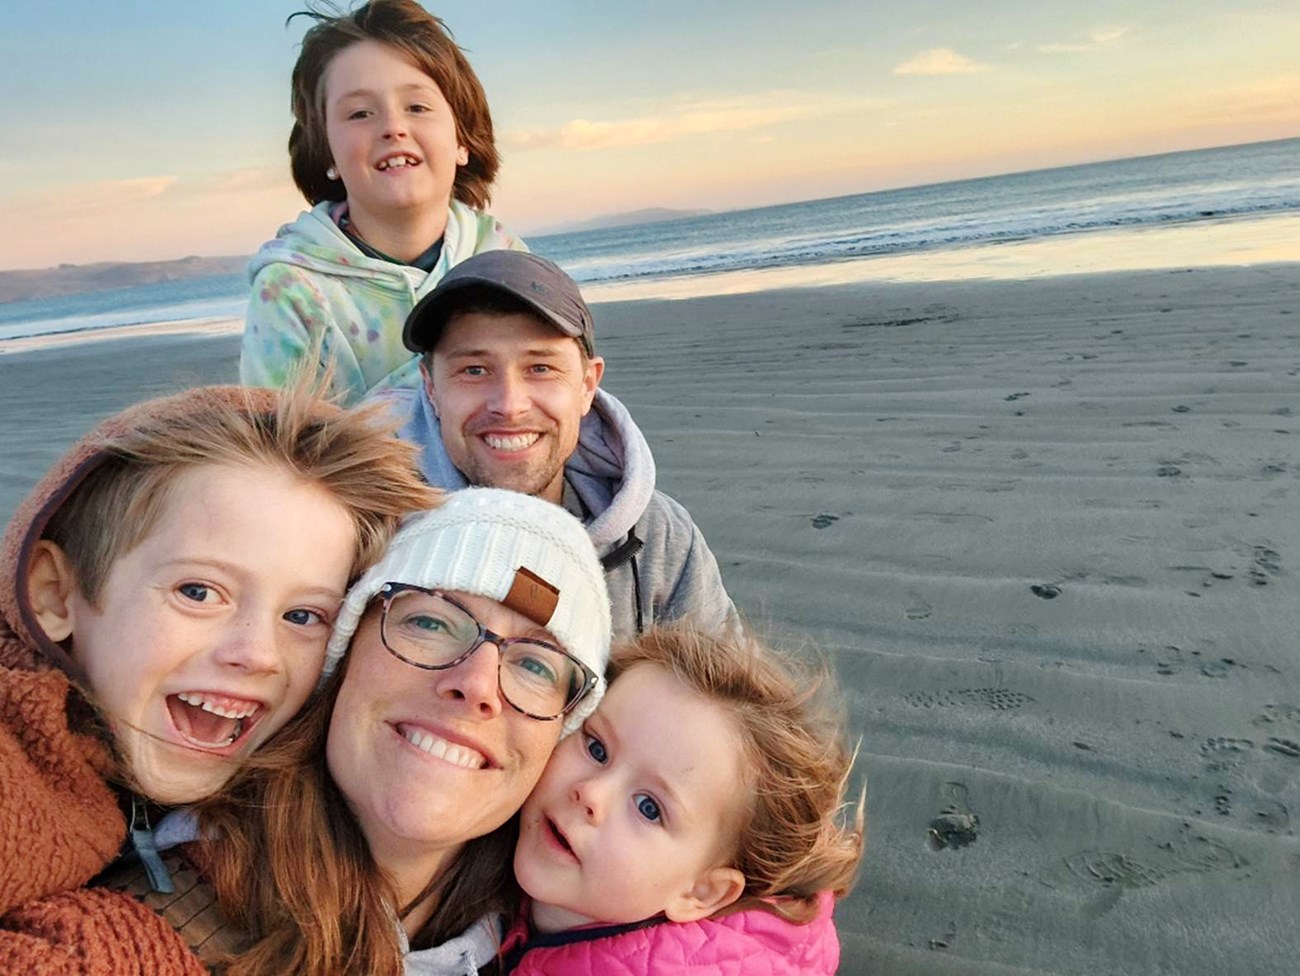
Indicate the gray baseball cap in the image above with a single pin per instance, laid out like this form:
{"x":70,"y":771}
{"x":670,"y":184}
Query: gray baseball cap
{"x":538,"y":283}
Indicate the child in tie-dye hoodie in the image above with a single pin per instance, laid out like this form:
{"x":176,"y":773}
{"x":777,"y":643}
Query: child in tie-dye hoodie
{"x":392,"y":143}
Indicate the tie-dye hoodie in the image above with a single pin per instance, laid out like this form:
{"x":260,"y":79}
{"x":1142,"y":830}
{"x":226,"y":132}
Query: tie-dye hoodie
{"x":313,"y":280}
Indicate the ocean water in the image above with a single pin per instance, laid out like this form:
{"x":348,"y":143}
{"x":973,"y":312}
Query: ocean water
{"x":1229,"y":205}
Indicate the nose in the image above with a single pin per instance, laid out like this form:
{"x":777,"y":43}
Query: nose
{"x":249,"y":643}
{"x":510,"y":396}
{"x":474,"y":681}
{"x":394,"y":126}
{"x":589,"y":795}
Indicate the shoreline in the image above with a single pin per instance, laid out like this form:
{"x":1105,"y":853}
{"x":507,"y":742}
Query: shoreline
{"x":1228,"y":243}
{"x":739,"y":283}
{"x":57,"y":340}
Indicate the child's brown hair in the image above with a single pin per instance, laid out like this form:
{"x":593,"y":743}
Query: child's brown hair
{"x":418,"y":35}
{"x":792,"y":842}
{"x":350,"y":454}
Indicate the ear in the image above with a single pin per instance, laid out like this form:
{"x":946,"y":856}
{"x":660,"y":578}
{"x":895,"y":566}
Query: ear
{"x":426,"y":379}
{"x":715,"y":889}
{"x":590,"y":380}
{"x":462,"y":156}
{"x":51,"y":583}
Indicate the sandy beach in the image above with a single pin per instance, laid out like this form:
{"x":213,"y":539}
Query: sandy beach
{"x":1047,"y":530}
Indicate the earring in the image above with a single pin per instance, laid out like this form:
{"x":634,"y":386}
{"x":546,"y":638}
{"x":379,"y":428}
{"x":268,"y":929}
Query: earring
{"x":331,"y":174}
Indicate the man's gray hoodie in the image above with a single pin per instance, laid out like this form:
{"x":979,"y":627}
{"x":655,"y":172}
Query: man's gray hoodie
{"x":657,"y":564}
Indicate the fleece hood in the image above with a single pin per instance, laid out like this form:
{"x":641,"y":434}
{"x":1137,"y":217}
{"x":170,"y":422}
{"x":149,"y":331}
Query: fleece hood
{"x":312,"y":284}
{"x":316,"y":243}
{"x":30,"y":519}
{"x":612,"y":470}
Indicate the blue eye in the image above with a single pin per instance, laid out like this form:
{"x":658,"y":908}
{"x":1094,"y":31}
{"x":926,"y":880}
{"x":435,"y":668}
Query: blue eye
{"x":536,"y":670}
{"x":197,"y":592}
{"x":596,"y":749}
{"x":648,"y":807}
{"x":433,"y":625}
{"x":304,"y":618}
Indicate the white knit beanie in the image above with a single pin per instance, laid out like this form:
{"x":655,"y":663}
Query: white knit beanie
{"x":478,"y":542}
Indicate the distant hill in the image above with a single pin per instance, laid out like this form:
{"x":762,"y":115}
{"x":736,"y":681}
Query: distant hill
{"x":651,"y":215}
{"x":72,"y":279}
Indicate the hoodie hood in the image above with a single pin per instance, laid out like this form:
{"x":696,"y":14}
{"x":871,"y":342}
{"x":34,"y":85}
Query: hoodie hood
{"x":29,"y":521}
{"x":315,"y":242}
{"x":313,"y":284}
{"x":611,"y":470}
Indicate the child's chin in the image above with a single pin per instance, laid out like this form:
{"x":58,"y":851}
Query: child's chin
{"x":172,"y":774}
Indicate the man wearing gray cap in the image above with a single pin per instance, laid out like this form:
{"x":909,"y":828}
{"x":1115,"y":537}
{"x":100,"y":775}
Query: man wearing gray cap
{"x":511,"y":399}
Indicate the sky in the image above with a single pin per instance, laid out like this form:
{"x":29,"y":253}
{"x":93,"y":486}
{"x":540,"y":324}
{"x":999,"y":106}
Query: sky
{"x":149,"y":130}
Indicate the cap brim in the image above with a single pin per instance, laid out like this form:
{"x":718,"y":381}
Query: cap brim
{"x":424,"y":324}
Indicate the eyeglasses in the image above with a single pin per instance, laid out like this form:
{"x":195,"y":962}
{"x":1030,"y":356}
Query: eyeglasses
{"x":430,"y":630}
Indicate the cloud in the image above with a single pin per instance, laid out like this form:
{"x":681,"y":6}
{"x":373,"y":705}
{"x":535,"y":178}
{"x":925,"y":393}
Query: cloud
{"x":1097,"y":40}
{"x":90,"y":198}
{"x":939,"y":61}
{"x":684,"y":119}
{"x":252,"y":179}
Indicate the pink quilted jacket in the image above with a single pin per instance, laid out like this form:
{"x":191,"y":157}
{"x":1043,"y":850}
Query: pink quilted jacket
{"x":753,"y":943}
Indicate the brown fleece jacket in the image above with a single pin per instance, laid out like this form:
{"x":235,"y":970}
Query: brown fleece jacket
{"x":60,"y":824}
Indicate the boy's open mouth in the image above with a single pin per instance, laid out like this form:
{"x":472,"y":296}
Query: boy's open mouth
{"x":212,"y":721}
{"x":559,"y":837}
{"x":396,"y":162}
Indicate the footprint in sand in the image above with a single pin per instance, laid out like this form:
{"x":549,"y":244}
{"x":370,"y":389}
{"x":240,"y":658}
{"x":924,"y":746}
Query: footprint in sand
{"x":1265,"y":562}
{"x":1224,"y":753}
{"x":918,"y":608}
{"x":1279,"y":718}
{"x":1286,"y":748}
{"x":994,"y":699}
{"x":1272,"y":815}
{"x":956,"y":825}
{"x":1198,"y":855}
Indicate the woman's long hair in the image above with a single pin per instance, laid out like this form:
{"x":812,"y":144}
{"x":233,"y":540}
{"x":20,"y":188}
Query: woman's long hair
{"x":292,"y":869}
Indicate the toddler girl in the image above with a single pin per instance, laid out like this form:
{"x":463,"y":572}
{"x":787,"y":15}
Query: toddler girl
{"x":693,"y":818}
{"x":392,"y":144}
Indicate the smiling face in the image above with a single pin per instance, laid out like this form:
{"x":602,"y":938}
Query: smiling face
{"x":210,"y":634}
{"x":429,"y":760}
{"x":638,"y":812}
{"x":391,"y":134}
{"x":510,"y":393}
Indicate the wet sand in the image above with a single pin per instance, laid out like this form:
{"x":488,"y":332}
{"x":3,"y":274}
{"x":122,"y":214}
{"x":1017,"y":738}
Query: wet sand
{"x":1048,"y":532}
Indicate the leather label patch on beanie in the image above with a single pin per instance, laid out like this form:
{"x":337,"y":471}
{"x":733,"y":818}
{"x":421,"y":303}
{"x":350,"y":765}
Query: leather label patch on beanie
{"x":532,"y":596}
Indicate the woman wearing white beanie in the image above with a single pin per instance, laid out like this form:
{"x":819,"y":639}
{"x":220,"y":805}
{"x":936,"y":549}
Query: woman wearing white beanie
{"x":472,"y":647}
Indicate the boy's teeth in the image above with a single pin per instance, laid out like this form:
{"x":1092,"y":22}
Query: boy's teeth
{"x":516,"y":442}
{"x":198,"y":701}
{"x":442,"y":749}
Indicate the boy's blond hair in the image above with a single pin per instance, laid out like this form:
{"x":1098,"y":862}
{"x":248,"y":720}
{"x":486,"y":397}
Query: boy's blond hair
{"x":350,"y":454}
{"x":792,"y":842}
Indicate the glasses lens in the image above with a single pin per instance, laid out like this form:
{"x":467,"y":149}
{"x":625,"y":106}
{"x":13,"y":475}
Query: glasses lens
{"x":427,"y":629}
{"x":539,"y":679}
